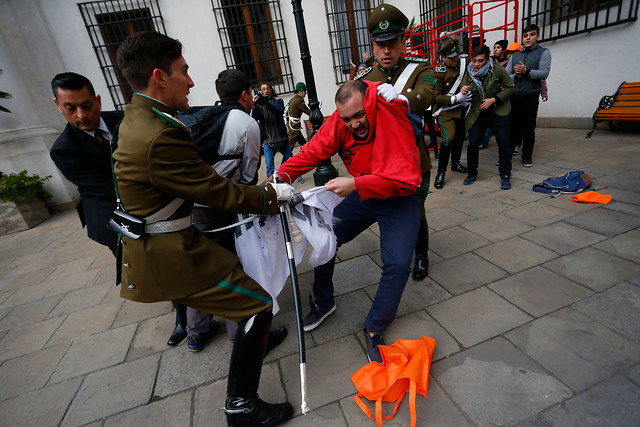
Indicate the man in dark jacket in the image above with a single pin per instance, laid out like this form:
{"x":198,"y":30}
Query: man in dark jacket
{"x":527,"y":68}
{"x":268,"y":110}
{"x":82,"y":154}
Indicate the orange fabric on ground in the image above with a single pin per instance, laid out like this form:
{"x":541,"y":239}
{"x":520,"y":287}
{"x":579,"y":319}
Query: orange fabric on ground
{"x":591,"y":197}
{"x":405,"y":367}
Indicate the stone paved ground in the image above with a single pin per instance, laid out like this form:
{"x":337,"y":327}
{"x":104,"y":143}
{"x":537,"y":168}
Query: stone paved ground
{"x":534,"y":303}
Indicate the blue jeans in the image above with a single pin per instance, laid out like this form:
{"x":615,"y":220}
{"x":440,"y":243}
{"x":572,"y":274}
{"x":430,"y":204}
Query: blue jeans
{"x":270,"y":154}
{"x":398,"y":219}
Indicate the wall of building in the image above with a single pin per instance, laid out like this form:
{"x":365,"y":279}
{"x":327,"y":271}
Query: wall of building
{"x":39,"y":38}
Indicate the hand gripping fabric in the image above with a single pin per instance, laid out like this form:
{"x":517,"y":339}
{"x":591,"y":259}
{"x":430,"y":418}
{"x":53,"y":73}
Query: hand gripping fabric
{"x":405,"y":367}
{"x":592,"y":197}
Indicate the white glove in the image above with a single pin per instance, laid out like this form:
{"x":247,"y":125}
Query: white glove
{"x":387,"y":91}
{"x":460,"y":98}
{"x":284,"y":192}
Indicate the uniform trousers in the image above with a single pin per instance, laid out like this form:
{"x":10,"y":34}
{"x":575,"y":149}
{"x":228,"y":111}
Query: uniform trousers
{"x":500,"y":126}
{"x":398,"y":220}
{"x":296,"y":137}
{"x":236,"y":297}
{"x":524,"y":111}
{"x":453,"y":133}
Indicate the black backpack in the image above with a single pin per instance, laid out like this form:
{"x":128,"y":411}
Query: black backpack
{"x":207,"y":124}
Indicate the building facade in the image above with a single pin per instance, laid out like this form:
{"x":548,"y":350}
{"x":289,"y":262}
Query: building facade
{"x":40,"y":38}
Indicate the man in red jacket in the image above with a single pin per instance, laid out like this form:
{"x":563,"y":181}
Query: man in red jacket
{"x":376,"y":142}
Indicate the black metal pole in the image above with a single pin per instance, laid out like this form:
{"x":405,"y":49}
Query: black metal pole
{"x":284,"y":218}
{"x":325,"y":171}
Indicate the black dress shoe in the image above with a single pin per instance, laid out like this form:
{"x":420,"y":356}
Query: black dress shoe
{"x":242,"y":412}
{"x":421,"y":267}
{"x":457,"y":167}
{"x":178,"y":334}
{"x":276,"y":336}
{"x":439,"y":181}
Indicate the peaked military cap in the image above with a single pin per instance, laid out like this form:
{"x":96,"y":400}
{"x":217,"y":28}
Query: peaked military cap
{"x":301,"y":86}
{"x":449,"y":49}
{"x":386,"y":23}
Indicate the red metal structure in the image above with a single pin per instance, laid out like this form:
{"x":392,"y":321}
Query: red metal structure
{"x":468,"y":22}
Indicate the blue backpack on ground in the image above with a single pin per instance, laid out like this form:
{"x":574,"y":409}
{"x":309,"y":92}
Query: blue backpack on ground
{"x":570,"y":182}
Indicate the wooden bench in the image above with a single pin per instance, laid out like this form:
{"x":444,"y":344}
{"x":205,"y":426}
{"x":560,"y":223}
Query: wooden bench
{"x":624,"y":105}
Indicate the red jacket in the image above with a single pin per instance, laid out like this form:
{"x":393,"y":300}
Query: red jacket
{"x":386,"y":165}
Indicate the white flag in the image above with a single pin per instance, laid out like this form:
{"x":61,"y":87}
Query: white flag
{"x":261,"y":247}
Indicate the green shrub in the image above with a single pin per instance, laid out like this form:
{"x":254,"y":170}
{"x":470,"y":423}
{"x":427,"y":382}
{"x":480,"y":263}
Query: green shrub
{"x":16,"y":186}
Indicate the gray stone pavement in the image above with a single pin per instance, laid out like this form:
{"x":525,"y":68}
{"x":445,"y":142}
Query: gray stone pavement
{"x":534,"y":303}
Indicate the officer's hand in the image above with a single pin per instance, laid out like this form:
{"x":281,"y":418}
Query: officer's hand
{"x":387,"y":91}
{"x":461,"y":98}
{"x":284,"y":192}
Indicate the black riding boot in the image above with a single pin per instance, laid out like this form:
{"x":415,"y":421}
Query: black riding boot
{"x":421,"y":266}
{"x":243,"y":407}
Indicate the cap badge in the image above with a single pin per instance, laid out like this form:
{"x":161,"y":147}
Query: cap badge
{"x":383,"y":25}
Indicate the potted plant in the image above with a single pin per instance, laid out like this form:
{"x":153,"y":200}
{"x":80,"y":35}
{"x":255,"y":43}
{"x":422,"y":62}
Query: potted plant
{"x":23,"y":198}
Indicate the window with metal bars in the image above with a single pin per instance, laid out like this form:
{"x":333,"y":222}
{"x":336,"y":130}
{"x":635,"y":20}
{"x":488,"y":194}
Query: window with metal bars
{"x":565,"y":18}
{"x":109,"y":23}
{"x":432,"y":9}
{"x":348,"y":35}
{"x":253,"y":41}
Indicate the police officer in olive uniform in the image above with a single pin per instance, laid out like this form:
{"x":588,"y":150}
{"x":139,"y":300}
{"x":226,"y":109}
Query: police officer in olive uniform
{"x":296,"y":108}
{"x":159,"y":176}
{"x":448,"y":107}
{"x":413,"y":78}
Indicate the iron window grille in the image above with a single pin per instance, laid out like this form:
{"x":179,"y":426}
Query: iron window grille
{"x":253,"y":41}
{"x":432,"y":9}
{"x":565,"y":18}
{"x":348,"y":34}
{"x":109,"y":23}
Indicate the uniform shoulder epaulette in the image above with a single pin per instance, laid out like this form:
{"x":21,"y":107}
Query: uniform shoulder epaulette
{"x":170,"y":120}
{"x":416,"y":59}
{"x":362,"y":74}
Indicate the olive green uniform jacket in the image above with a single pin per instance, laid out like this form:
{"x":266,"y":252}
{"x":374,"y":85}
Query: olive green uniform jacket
{"x":497,"y":84}
{"x":419,"y":90}
{"x":296,"y":108}
{"x":445,"y":78}
{"x":156,"y":162}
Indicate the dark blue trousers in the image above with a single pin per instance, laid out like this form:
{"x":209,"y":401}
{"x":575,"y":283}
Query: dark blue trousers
{"x":398,"y":220}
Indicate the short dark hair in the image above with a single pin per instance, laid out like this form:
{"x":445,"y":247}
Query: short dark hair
{"x":346,"y":91}
{"x":143,"y":52}
{"x":483,"y":49}
{"x":231,"y":83}
{"x":531,"y":27}
{"x":71,"y":81}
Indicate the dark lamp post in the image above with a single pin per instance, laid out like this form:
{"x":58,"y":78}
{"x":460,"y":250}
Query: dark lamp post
{"x":325,"y":171}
